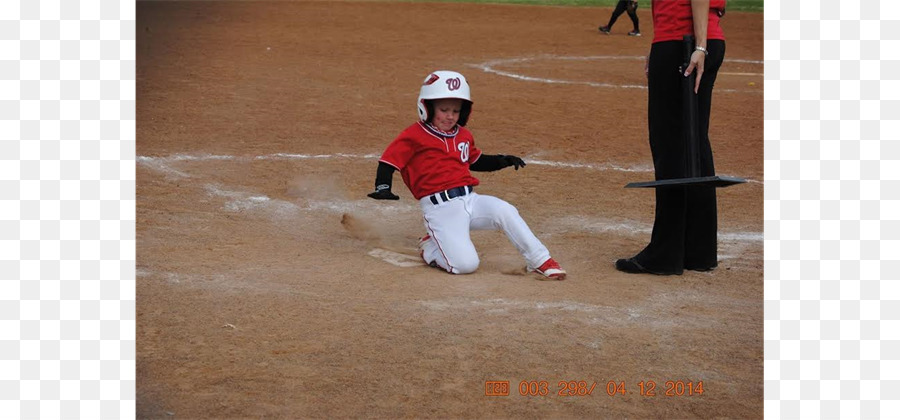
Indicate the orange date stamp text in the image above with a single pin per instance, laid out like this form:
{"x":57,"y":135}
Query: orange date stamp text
{"x":644,"y":388}
{"x":496,"y":388}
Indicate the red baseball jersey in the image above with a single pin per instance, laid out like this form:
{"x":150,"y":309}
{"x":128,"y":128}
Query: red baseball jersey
{"x":672,"y":20}
{"x":430,"y":161}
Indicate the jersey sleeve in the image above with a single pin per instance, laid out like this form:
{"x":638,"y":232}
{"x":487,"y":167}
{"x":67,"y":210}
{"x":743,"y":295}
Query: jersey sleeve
{"x":399,"y":152}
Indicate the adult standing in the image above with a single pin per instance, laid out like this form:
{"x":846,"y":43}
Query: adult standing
{"x":685,"y":224}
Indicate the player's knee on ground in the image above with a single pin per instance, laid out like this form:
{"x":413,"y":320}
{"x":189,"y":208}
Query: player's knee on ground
{"x":465,"y":265}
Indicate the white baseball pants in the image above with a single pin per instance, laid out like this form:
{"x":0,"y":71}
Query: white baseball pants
{"x":450,"y":222}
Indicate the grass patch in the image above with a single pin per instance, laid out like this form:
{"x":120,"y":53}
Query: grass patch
{"x":733,"y":5}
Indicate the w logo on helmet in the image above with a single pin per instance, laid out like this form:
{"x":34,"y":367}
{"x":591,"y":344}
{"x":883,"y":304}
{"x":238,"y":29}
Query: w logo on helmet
{"x":453,"y":84}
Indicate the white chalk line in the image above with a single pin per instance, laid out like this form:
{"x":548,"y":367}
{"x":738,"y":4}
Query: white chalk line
{"x":599,"y":167}
{"x":490,"y":67}
{"x":654,"y":312}
{"x":240,"y":281}
{"x":514,"y":304}
{"x":161,"y":163}
{"x":579,"y":312}
{"x":289,"y":156}
{"x":238,"y":201}
{"x":276,"y":209}
{"x":595,"y":225}
{"x":152,"y":160}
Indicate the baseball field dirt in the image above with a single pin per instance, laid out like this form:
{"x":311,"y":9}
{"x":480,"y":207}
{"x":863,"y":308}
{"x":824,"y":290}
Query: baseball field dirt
{"x":270,"y":286}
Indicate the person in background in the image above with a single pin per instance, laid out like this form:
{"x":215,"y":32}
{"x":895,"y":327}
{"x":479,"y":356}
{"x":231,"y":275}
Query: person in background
{"x":624,"y":5}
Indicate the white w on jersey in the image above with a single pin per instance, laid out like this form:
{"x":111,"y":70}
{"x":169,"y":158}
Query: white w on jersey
{"x":449,"y":223}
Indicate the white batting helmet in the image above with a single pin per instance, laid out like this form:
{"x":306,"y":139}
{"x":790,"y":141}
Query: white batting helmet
{"x":443,"y":84}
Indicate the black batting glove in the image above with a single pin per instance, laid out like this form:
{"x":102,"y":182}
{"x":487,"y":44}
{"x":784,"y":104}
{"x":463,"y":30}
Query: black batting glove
{"x":510,"y":160}
{"x":383,"y":192}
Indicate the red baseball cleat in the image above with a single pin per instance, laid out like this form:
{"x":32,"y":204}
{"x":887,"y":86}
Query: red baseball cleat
{"x":551,"y":270}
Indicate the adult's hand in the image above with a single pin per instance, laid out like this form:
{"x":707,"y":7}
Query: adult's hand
{"x":698,"y":58}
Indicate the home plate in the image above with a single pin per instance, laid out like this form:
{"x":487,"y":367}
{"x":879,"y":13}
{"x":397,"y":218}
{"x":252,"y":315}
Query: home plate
{"x":398,"y":259}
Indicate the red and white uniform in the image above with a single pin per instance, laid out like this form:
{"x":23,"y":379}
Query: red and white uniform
{"x":432,"y":162}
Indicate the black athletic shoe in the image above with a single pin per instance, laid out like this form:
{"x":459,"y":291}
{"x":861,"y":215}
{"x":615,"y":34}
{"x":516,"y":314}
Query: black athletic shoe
{"x":604,"y":29}
{"x":631,"y":266}
{"x":634,"y":33}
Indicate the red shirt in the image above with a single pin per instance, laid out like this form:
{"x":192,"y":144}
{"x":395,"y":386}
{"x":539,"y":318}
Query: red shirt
{"x":672,"y":19}
{"x":430,"y":162}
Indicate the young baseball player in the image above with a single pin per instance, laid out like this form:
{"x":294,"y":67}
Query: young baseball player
{"x":434,"y":157}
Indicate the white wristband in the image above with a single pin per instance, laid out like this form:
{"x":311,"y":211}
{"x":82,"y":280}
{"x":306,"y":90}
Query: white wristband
{"x":699,"y":48}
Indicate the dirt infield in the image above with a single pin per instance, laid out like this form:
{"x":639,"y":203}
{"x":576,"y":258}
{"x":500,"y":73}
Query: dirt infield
{"x":268,"y":285}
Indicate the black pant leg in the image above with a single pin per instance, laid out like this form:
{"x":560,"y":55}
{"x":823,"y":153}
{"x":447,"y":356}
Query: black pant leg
{"x":634,"y":19}
{"x":665,"y":252}
{"x":620,"y":8}
{"x":702,"y":215}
